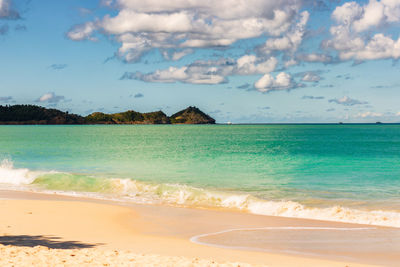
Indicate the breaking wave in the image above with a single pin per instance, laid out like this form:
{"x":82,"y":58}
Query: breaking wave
{"x":181,"y":195}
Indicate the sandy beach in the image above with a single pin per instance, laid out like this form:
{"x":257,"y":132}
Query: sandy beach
{"x":40,"y":229}
{"x":200,"y":133}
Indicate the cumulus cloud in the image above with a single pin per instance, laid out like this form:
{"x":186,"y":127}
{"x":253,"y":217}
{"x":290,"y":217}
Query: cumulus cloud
{"x":208,"y":72}
{"x":379,"y":47}
{"x":58,"y":66}
{"x":250,"y":64}
{"x":355,"y":36}
{"x":268,"y":83}
{"x":347,"y":101}
{"x":7,"y":11}
{"x":51,"y":98}
{"x":143,"y":25}
{"x":291,"y":39}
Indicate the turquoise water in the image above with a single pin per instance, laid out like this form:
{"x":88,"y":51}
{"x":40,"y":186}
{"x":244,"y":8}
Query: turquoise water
{"x":334,"y":172}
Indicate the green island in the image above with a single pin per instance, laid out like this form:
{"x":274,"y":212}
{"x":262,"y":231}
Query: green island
{"x":32,"y":114}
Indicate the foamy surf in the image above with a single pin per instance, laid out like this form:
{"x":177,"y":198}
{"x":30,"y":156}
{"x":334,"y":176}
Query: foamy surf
{"x":13,"y":176}
{"x":181,"y":195}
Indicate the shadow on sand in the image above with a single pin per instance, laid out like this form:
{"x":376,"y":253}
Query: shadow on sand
{"x":40,"y":240}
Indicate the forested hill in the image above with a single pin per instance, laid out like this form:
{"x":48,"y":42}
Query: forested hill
{"x":31,"y":114}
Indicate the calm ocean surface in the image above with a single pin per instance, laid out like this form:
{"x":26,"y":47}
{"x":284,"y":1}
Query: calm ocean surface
{"x":347,"y":173}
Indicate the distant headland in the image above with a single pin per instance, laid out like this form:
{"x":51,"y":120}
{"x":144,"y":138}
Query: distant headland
{"x":31,"y":114}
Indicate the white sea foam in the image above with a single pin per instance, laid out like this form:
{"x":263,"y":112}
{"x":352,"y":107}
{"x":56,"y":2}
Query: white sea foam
{"x":184,"y":195}
{"x":191,"y":196}
{"x":335,"y":213}
{"x":13,"y":176}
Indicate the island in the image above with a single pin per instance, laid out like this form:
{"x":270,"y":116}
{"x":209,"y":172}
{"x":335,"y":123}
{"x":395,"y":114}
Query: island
{"x":32,"y":114}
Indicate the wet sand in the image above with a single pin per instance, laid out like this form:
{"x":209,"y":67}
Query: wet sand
{"x":50,"y":228}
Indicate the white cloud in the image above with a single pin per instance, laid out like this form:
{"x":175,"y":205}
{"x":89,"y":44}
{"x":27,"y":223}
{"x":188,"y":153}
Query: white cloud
{"x":50,"y":98}
{"x":250,"y":64}
{"x":132,"y":47}
{"x":228,"y":9}
{"x":177,"y":55}
{"x":368,"y":114}
{"x":170,"y":75}
{"x":355,"y":36}
{"x":290,"y":62}
{"x":347,"y":13}
{"x":208,"y":72}
{"x":141,"y":26}
{"x":347,"y":101}
{"x":311,"y":77}
{"x":314,"y":57}
{"x":82,"y":32}
{"x":128,"y":21}
{"x":267,"y":83}
{"x":183,"y":74}
{"x":373,"y":15}
{"x":291,"y":40}
{"x":379,"y":47}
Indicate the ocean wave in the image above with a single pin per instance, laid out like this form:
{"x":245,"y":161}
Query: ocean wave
{"x":182,"y":195}
{"x":13,"y":176}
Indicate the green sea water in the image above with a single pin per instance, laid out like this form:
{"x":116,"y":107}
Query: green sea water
{"x":333,"y":172}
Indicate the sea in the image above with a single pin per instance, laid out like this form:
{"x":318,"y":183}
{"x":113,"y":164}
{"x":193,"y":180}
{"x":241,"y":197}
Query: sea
{"x":334,"y":172}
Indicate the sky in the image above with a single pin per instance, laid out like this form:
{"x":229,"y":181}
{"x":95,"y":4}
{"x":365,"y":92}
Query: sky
{"x":242,"y":61}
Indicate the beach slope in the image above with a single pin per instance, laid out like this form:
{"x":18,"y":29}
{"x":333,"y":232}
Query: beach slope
{"x":40,"y":230}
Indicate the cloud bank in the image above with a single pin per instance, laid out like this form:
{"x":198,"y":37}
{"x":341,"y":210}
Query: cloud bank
{"x":177,"y":29}
{"x":140,"y":26}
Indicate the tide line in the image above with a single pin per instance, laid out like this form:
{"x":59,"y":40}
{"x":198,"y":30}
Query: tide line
{"x":195,"y":239}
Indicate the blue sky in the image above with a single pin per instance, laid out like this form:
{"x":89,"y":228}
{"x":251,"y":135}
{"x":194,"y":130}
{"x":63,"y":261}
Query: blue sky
{"x":239,"y":61}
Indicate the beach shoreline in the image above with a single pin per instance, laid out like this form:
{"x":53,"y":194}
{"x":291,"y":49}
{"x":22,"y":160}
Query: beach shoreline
{"x":97,"y":225}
